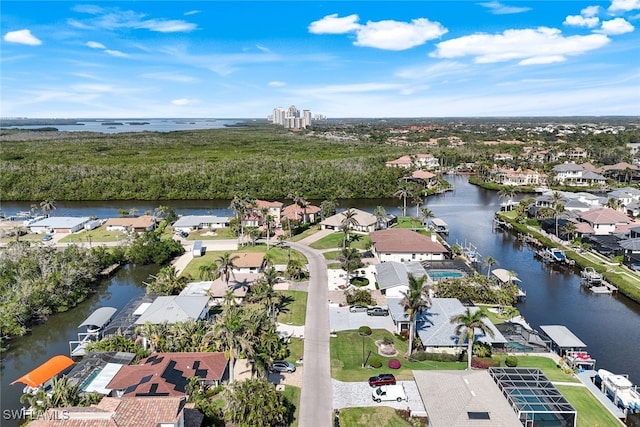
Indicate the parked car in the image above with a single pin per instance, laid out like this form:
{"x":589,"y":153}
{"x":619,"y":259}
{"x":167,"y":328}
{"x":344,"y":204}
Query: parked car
{"x":389,"y":392}
{"x":377,"y":311}
{"x":282,"y":366}
{"x":382,"y":379}
{"x":47,"y":237}
{"x":358,"y":308}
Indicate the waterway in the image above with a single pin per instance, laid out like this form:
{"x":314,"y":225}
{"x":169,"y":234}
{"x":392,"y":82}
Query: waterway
{"x":608,"y":324}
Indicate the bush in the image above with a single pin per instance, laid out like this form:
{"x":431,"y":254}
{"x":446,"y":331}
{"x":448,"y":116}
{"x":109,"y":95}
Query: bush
{"x":358,"y":296}
{"x":482,"y":349}
{"x":394,"y":364}
{"x":403,"y":336}
{"x":375,"y":362}
{"x":359,"y":281}
{"x":364,"y":330}
{"x":484,"y":363}
{"x":387,"y":340}
{"x":421,"y":356}
{"x":511,"y":361}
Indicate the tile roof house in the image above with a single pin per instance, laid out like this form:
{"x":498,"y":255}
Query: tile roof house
{"x":517,"y":177}
{"x":307,"y":214}
{"x":125,"y":412}
{"x":422,"y":177}
{"x":167,"y":374}
{"x":239,"y":284}
{"x":174,"y":308}
{"x":366,"y":222}
{"x":403,"y":245}
{"x":419,"y":160}
{"x":248,"y":262}
{"x":275,"y":209}
{"x":577,"y":175}
{"x":139,"y":224}
{"x":606,"y":220}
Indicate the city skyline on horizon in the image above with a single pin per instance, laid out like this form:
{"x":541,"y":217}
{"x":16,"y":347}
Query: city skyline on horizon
{"x":222,"y":59}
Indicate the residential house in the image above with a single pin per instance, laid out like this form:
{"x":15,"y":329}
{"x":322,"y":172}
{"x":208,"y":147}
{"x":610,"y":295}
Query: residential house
{"x":248,"y":262}
{"x":427,"y":161}
{"x":404,"y":245}
{"x":188,"y":223}
{"x":392,"y":277}
{"x":167,"y":374}
{"x":138,"y":224}
{"x":517,"y":177}
{"x":631,"y":247}
{"x":502,"y":157}
{"x":436,"y":331}
{"x":577,"y":175}
{"x":58,"y":224}
{"x":577,"y":153}
{"x":308,"y":214}
{"x":621,"y":172}
{"x":274,"y":208}
{"x":173,"y":309}
{"x":606,"y":221}
{"x":366,"y":222}
{"x":217,"y":290}
{"x":125,"y":412}
{"x":422,"y":177}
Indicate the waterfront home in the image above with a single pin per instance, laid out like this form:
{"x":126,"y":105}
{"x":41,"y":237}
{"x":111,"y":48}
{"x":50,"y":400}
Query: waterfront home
{"x":577,"y":175}
{"x":167,"y":374}
{"x":517,"y":177}
{"x":126,"y":411}
{"x":366,"y":222}
{"x":95,"y":370}
{"x":422,"y":177}
{"x":173,"y":309}
{"x":41,"y":378}
{"x":392,"y":276}
{"x":274,"y":208}
{"x":307,"y":214}
{"x":58,"y":224}
{"x":621,"y":172}
{"x":138,"y":224}
{"x":217,"y":290}
{"x":607,"y":221}
{"x":189,"y":223}
{"x":404,"y":245}
{"x":248,"y":262}
{"x":427,"y":161}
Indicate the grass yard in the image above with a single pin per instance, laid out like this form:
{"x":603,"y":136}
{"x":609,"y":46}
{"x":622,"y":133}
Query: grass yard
{"x":97,"y":235}
{"x":296,"y":350}
{"x":383,"y":416}
{"x":308,"y":232}
{"x":331,"y":256}
{"x":295,"y":312}
{"x":293,"y":395}
{"x":591,"y":413}
{"x":213,"y":234}
{"x":545,"y":364}
{"x":346,"y":357}
{"x":335,"y":241}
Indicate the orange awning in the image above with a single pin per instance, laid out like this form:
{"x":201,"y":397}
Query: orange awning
{"x":45,"y":372}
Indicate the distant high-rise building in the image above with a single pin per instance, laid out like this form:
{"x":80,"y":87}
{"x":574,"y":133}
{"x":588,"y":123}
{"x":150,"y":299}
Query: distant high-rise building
{"x":290,"y":118}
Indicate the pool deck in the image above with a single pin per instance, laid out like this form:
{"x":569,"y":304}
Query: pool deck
{"x":585,"y":378}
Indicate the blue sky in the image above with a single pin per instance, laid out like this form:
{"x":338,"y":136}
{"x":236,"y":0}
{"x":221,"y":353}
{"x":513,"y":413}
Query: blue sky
{"x":338,"y":58}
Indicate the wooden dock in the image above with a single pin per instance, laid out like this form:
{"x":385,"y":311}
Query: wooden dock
{"x":109,"y":270}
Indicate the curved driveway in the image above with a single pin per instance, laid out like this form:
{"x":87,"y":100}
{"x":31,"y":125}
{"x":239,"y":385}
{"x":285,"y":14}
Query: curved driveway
{"x":316,"y":404}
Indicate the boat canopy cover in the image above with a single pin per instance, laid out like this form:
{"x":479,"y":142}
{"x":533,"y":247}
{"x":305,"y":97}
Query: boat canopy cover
{"x":505,"y":275}
{"x":438,"y":222}
{"x":99,"y":318}
{"x":45,"y":372}
{"x":562,"y":336}
{"x":620,"y":381}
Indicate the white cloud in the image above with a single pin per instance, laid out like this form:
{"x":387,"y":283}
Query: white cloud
{"x":276,"y":84}
{"x":352,"y":88}
{"x":394,"y":35}
{"x":191,"y":12}
{"x":332,"y":24}
{"x":615,"y":26}
{"x":624,"y":5}
{"x":95,"y":45}
{"x":167,"y":26}
{"x":581,"y":21}
{"x":263,"y":48}
{"x":531,"y":46}
{"x":116,"y":53}
{"x":590,"y":11}
{"x":169,"y":77}
{"x":182,"y":101}
{"x":114,"y":18}
{"x":388,"y":34}
{"x":498,"y":8}
{"x":22,"y":37}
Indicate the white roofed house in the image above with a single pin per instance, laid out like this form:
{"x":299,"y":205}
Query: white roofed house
{"x":366,"y":222}
{"x":190,"y":223}
{"x":173,"y":309}
{"x":403,"y":245}
{"x":58,"y":224}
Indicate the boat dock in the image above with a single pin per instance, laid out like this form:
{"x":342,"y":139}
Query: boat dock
{"x":94,"y":325}
{"x":586,"y":377}
{"x":602,"y":288}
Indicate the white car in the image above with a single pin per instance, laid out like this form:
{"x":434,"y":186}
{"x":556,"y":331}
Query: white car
{"x":389,"y":392}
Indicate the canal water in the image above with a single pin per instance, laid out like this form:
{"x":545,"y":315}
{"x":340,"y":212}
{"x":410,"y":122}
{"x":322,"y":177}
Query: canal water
{"x":608,"y":324}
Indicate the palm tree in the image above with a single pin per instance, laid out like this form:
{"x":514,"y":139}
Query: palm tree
{"x":349,"y":261}
{"x":403,"y":191}
{"x":380,"y":213}
{"x":426,"y":214}
{"x":348,"y":221}
{"x":295,"y":268}
{"x":239,"y":205}
{"x":414,"y":300}
{"x":47,"y":206}
{"x":268,"y":222}
{"x":557,"y":206}
{"x":491,"y":261}
{"x":327,"y":208}
{"x":208,"y":271}
{"x":466,"y":324}
{"x":508,"y":192}
{"x":226,"y":266}
{"x":297,"y":198}
{"x":417,"y":199}
{"x":569,"y":229}
{"x":230,"y":330}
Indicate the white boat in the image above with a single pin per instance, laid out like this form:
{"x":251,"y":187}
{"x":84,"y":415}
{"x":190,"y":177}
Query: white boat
{"x":590,"y":275}
{"x":620,"y":390}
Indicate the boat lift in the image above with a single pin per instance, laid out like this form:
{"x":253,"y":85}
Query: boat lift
{"x":94,"y":325}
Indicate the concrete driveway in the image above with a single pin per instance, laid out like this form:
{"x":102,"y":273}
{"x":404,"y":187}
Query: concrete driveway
{"x":340,"y":319}
{"x":358,"y":394}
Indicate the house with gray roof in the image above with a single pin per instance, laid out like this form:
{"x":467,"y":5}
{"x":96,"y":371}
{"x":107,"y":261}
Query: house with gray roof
{"x":58,"y":224}
{"x":188,"y":223}
{"x":366,"y":222}
{"x":577,"y":175}
{"x":392,"y":276}
{"x":173,"y":309}
{"x":436,"y":331}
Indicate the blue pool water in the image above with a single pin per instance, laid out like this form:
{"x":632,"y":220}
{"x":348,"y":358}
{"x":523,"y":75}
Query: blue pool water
{"x":445,"y":274}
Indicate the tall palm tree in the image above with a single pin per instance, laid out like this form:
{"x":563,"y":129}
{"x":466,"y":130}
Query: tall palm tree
{"x":226,"y":265}
{"x":557,"y":206}
{"x":466,"y":325}
{"x":569,"y":229}
{"x":208,"y":271}
{"x":417,"y":199}
{"x":230,"y":331}
{"x":414,"y":300}
{"x":267,"y":221}
{"x":491,"y":261}
{"x":350,"y":260}
{"x":403,"y":192}
{"x":349,"y":220}
{"x":297,"y":198}
{"x":239,"y":205}
{"x":47,"y":206}
{"x":508,"y":192}
{"x":380,"y":213}
{"x":426,"y":214}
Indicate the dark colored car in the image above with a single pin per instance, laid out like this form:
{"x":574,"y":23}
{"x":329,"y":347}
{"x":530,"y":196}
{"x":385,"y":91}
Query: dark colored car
{"x":377,"y":311}
{"x":282,"y":366}
{"x":358,"y":308}
{"x":382,"y":379}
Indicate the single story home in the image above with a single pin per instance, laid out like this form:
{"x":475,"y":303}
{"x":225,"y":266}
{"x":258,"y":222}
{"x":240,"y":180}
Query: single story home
{"x":173,"y":309}
{"x":248,"y":262}
{"x":138,"y":224}
{"x":188,"y":223}
{"x":365,"y":222}
{"x":392,"y":276}
{"x":167,"y":374}
{"x":58,"y":224}
{"x":217,"y":290}
{"x":404,"y":245}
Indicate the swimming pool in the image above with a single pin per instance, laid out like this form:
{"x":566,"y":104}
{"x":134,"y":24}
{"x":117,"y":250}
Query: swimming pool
{"x":445,"y":274}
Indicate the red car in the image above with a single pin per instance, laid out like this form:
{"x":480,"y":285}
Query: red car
{"x":382,"y":379}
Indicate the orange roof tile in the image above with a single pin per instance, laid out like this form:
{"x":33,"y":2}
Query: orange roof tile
{"x":46,"y":371}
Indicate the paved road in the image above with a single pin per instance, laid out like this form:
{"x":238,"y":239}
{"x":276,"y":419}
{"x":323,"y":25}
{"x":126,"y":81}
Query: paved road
{"x":316,"y":404}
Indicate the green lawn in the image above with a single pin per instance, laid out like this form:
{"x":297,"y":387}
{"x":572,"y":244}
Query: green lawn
{"x":220,"y":234}
{"x":97,"y":235}
{"x":545,"y":364}
{"x":293,"y":395}
{"x":346,"y":357}
{"x":331,"y":256}
{"x":382,"y":416}
{"x":308,"y":232}
{"x":409,"y":222}
{"x":296,"y":311}
{"x":591,"y":413}
{"x":335,"y":241}
{"x":296,"y":350}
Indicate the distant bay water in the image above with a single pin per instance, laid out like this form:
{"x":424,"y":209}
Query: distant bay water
{"x":120,"y":125}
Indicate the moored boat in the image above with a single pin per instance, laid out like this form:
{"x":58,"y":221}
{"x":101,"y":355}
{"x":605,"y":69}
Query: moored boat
{"x":620,"y":390}
{"x":591,"y":276}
